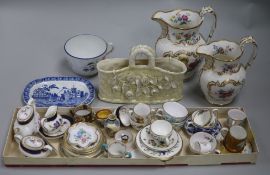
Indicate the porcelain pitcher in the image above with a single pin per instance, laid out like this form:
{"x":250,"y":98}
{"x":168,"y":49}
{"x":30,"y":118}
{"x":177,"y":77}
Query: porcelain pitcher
{"x":180,"y":35}
{"x":223,"y":75}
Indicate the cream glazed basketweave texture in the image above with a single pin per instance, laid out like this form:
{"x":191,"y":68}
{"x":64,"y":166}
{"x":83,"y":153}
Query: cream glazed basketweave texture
{"x":141,"y":78}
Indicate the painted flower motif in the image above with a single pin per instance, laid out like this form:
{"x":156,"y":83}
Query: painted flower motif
{"x":229,"y":68}
{"x":82,"y":136}
{"x":225,"y":94}
{"x":180,"y":18}
{"x":221,"y":50}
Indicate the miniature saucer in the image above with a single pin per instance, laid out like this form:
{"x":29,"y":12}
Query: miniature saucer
{"x":82,"y":135}
{"x":162,"y":155}
{"x":124,"y":136}
{"x":149,"y":141}
{"x":67,"y":121}
{"x":123,"y":114}
{"x":202,"y":143}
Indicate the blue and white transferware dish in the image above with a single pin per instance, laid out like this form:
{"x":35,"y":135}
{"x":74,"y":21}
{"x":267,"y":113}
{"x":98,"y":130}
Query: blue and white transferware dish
{"x":84,"y":51}
{"x":203,"y":121}
{"x":59,"y":91}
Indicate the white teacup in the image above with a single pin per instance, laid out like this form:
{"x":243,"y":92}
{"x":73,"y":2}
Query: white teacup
{"x":173,"y":112}
{"x":236,"y":117}
{"x":84,"y":51}
{"x":141,"y":112}
{"x":203,"y":143}
{"x":161,"y":130}
{"x":117,"y":149}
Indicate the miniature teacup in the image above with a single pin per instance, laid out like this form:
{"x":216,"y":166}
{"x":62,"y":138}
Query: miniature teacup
{"x":203,"y":143}
{"x":141,"y":112}
{"x":173,"y":112}
{"x":236,"y":117}
{"x":82,"y":113}
{"x":52,"y":121}
{"x":117,"y":150}
{"x":33,"y":146}
{"x":161,"y":130}
{"x":102,"y":115}
{"x":84,"y":51}
{"x":203,"y":121}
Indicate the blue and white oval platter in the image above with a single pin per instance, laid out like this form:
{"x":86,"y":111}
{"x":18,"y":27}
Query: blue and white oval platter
{"x":59,"y":91}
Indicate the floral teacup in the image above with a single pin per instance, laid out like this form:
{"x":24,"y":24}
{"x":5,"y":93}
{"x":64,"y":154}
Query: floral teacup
{"x":203,"y":121}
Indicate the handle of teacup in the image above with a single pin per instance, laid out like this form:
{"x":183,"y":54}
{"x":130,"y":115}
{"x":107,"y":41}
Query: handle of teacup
{"x":109,"y":48}
{"x":222,"y":134}
{"x":159,"y":113}
{"x":128,"y":155}
{"x":139,"y":50}
{"x":104,"y":147}
{"x":18,"y":138}
{"x":209,"y":10}
{"x":249,"y":40}
{"x":167,"y":141}
{"x":47,"y":148}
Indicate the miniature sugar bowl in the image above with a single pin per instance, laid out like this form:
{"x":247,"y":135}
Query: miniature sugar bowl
{"x":33,"y":146}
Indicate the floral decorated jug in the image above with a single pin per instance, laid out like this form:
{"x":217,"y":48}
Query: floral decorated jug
{"x":180,"y":35}
{"x":223,"y":75}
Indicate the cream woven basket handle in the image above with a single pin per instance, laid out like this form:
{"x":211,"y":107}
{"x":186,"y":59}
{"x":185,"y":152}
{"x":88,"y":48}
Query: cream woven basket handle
{"x":142,"y":50}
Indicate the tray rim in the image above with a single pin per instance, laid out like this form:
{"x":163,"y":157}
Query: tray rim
{"x":175,"y":161}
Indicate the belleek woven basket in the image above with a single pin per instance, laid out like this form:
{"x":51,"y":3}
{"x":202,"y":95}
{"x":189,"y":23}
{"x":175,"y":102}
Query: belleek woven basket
{"x":146,"y":80}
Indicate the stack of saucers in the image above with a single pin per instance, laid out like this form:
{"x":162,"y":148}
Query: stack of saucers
{"x":82,"y":139}
{"x":159,"y":140}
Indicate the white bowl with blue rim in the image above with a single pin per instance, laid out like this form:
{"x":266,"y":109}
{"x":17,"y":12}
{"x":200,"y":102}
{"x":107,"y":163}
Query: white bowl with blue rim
{"x":84,"y":51}
{"x":59,"y":91}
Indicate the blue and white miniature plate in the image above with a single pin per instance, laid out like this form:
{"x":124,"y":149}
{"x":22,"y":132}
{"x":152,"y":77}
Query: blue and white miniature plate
{"x":59,"y":91}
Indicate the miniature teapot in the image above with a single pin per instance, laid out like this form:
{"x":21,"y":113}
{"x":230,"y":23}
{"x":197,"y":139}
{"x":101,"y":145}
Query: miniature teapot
{"x":52,"y":121}
{"x":27,"y":121}
{"x":180,"y":35}
{"x":223,"y":76}
{"x":33,"y":146}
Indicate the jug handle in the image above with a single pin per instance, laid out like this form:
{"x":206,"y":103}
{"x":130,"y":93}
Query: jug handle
{"x":249,"y":40}
{"x":145,"y":50}
{"x":203,"y":12}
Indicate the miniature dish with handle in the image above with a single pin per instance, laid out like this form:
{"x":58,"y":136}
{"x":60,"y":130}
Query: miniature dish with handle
{"x":84,"y":51}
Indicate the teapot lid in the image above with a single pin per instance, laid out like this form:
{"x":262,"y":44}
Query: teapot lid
{"x":51,"y":112}
{"x":32,"y":143}
{"x":25,"y":114}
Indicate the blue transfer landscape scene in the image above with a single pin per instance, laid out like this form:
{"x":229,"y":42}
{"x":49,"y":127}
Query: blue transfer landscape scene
{"x":54,"y":95}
